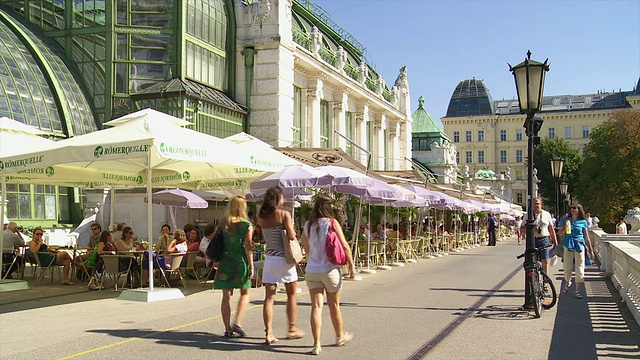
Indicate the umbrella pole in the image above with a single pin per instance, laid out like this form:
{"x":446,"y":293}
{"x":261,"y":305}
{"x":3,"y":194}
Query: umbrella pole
{"x":397,"y":259}
{"x":384,"y":265}
{"x":112,"y":206}
{"x":356,"y":231}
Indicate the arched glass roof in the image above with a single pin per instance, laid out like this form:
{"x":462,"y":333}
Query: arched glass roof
{"x":470,"y":98}
{"x":36,"y":86}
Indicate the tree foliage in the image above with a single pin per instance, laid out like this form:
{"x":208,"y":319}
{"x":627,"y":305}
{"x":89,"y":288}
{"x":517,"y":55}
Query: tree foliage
{"x":542,"y":155}
{"x":610,"y":176}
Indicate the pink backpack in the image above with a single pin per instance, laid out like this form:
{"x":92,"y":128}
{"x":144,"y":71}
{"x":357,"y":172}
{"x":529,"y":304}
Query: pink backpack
{"x":335,"y":251}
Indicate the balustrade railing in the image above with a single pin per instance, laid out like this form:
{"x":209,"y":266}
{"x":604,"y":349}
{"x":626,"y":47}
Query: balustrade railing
{"x":620,"y":260}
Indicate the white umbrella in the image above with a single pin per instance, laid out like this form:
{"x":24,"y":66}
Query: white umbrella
{"x":150,"y":143}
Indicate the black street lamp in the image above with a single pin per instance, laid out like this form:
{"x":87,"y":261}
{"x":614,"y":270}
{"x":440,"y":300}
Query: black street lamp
{"x":529,"y":76}
{"x":564,"y":191}
{"x":557,"y":163}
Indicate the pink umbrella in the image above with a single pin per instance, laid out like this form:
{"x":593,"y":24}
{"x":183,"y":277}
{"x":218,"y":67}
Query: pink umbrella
{"x":292,"y":176}
{"x":345,"y":176}
{"x":178,"y":197}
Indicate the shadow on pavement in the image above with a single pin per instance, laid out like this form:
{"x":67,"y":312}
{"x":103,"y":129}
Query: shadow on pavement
{"x":205,"y":340}
{"x":597,"y":326}
{"x":49,"y":295}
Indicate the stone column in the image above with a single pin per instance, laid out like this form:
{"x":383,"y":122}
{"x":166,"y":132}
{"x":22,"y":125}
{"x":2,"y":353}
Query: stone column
{"x":314,"y":95}
{"x":339,"y":119}
{"x":394,"y":155}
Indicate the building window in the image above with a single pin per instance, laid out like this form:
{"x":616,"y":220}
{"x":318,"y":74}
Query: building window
{"x":519,"y":198}
{"x":423,"y":145}
{"x":518,"y":134}
{"x":519,"y":174}
{"x":297,"y":117}
{"x":552,"y":133}
{"x":468,"y":157}
{"x":481,"y":156}
{"x":503,"y":135}
{"x":469,"y":136}
{"x":480,"y":135}
{"x":457,"y":157}
{"x":456,"y":136}
{"x":585,"y":132}
{"x":503,"y":156}
{"x":568,"y":133}
{"x":518,"y":156}
{"x":325,"y":124}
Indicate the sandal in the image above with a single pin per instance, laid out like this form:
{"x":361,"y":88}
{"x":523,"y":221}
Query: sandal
{"x":269,"y":339}
{"x":295,"y":334}
{"x":344,"y":339}
{"x":238,"y":329}
{"x":316,"y":350}
{"x":578,"y":295}
{"x":228,"y":334}
{"x":67,"y":282}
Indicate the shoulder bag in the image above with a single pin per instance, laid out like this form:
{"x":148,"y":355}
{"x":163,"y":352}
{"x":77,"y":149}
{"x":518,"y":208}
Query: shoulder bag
{"x":215,"y":249}
{"x":333,"y":246}
{"x":292,"y":250}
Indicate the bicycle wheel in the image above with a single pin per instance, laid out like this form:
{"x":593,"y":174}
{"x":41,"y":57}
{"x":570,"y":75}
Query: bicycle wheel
{"x":549,"y":295}
{"x":536,"y":294}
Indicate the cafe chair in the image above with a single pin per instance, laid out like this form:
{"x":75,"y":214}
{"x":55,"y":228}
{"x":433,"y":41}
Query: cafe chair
{"x":8,"y":265}
{"x":47,"y":262}
{"x":176,"y":260}
{"x":190,"y":265}
{"x":111,"y":268}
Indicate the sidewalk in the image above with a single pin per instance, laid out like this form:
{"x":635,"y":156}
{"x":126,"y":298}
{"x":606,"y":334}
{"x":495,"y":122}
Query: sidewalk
{"x":461,"y":306}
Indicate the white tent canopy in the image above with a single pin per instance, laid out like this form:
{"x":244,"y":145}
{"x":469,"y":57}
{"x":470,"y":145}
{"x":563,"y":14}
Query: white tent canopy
{"x":146,"y":148}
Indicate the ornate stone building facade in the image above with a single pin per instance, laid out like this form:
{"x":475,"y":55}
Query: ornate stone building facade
{"x":489,"y":135}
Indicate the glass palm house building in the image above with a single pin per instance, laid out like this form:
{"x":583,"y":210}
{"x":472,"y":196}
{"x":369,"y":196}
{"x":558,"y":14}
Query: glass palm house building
{"x":69,"y":66}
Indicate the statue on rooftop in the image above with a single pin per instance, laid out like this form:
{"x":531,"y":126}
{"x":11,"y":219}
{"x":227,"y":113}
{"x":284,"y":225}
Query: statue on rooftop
{"x":401,"y":80}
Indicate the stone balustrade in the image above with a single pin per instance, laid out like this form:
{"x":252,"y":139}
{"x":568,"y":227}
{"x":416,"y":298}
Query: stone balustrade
{"x":619,"y":258}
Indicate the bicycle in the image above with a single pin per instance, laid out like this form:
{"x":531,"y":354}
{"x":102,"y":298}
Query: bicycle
{"x":539,"y":285}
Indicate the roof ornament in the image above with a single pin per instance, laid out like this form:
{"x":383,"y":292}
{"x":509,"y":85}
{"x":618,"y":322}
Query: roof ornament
{"x":401,"y":80}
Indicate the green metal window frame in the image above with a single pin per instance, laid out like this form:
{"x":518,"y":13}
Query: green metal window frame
{"x":349,"y":131}
{"x":325,"y":124}
{"x":298,"y":116}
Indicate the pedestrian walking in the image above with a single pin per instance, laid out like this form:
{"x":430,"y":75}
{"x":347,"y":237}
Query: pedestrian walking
{"x":543,"y":231}
{"x":235,"y":268}
{"x":272,"y":218}
{"x":621,"y":228}
{"x":492,"y":226}
{"x":321,"y":275}
{"x":574,"y":233}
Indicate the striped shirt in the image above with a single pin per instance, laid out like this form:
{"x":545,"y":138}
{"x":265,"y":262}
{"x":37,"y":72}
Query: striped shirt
{"x":273,"y":240}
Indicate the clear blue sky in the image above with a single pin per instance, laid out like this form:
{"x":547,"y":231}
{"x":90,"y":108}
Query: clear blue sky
{"x":591,"y":45}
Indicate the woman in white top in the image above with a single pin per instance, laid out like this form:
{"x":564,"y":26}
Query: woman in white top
{"x":621,"y":228}
{"x":322,"y":275}
{"x":273,"y":219}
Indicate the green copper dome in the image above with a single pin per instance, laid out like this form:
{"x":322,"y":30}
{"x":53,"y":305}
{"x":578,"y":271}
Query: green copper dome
{"x":424,"y":123}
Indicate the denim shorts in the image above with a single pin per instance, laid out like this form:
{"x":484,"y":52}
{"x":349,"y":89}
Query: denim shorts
{"x":543,"y":241}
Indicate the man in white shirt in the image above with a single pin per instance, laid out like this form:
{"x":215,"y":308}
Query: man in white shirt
{"x":209,"y":233}
{"x":543,"y":231}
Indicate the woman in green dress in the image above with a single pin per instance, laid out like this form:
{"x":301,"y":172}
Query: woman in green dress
{"x":235,"y":268}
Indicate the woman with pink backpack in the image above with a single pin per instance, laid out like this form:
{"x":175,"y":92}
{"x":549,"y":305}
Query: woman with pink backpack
{"x":324,"y":272}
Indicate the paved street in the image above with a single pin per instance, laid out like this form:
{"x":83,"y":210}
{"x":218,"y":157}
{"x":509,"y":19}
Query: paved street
{"x":461,"y":306}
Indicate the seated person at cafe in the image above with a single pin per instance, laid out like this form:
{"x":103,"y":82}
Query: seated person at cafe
{"x":105,"y":247}
{"x":126,"y":244}
{"x":209,"y":232}
{"x":379,"y":234}
{"x":163,"y":240}
{"x":117,"y":234}
{"x":11,"y":240}
{"x":50,"y":256}
{"x":193,"y":244}
{"x":94,"y":239}
{"x":177,"y":246}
